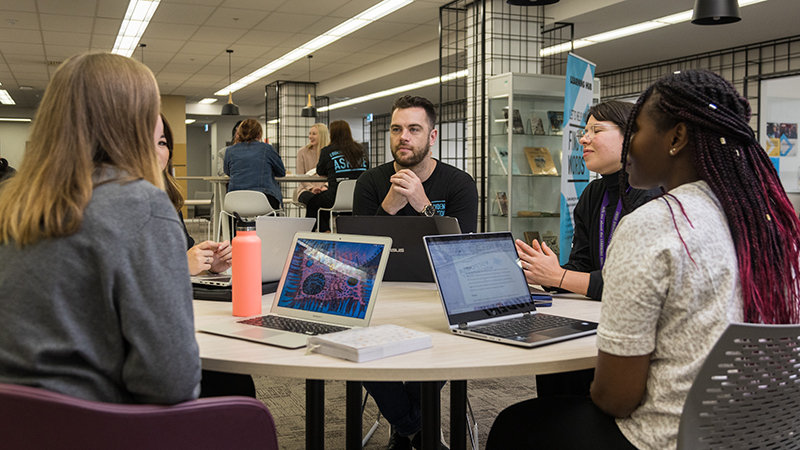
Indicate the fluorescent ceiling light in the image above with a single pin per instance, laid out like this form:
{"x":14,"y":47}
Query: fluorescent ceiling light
{"x":207,"y":101}
{"x":133,"y":25}
{"x":13,"y":119}
{"x":377,"y":12}
{"x":5,"y":98}
{"x":393,"y":91}
{"x":189,"y":121}
{"x":630,"y":30}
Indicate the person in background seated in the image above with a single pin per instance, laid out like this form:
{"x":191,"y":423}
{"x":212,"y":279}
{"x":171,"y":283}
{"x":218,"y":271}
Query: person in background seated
{"x":679,"y":270}
{"x":597,"y":214}
{"x":253,"y":165}
{"x":211,"y":256}
{"x":6,"y":171}
{"x":413,"y":184}
{"x":96,"y":297}
{"x":215,"y":257}
{"x":343,"y":159}
{"x":219,"y":161}
{"x":308,"y":157}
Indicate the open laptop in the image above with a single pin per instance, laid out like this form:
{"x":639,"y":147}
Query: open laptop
{"x":329,"y":283}
{"x":408,"y":261}
{"x":276,"y":238}
{"x":485,"y":294}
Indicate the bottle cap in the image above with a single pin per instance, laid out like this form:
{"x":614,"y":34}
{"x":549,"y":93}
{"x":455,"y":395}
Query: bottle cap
{"x":243,"y":225}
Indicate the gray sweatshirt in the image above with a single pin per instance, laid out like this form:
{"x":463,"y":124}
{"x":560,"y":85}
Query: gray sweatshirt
{"x":106,"y":313}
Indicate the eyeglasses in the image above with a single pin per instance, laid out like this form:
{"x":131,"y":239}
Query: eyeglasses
{"x":592,"y":130}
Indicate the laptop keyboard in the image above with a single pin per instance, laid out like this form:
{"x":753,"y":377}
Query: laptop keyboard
{"x":293,"y":325}
{"x":524,"y":325}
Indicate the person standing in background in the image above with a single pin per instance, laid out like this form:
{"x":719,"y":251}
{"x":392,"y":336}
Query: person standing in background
{"x":308,"y":157}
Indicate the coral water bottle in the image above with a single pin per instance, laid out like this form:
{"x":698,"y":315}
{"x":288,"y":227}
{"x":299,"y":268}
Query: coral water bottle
{"x":246,"y":271}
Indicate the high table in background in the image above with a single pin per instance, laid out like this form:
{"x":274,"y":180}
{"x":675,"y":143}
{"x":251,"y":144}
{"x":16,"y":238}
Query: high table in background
{"x":219,"y":187}
{"x":454,"y":358}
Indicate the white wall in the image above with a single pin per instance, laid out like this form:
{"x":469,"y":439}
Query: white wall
{"x":13,"y":136}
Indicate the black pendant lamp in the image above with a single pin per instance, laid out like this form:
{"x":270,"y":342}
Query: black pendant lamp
{"x":309,"y":110}
{"x":230,"y":108}
{"x":531,"y":2}
{"x":715,"y":12}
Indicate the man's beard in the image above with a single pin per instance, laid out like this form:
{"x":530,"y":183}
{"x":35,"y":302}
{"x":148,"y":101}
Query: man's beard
{"x":414,"y":159}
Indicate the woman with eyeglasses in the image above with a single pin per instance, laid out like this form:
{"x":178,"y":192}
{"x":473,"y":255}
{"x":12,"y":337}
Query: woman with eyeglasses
{"x":596,"y":217}
{"x":597,"y":213}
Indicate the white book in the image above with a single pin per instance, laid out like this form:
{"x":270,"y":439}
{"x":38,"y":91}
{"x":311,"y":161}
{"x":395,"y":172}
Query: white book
{"x":366,"y":344}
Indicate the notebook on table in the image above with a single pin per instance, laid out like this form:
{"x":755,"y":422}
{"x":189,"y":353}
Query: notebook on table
{"x":329,"y":283}
{"x":485,"y":294}
{"x":276,"y":238}
{"x":408,"y":260}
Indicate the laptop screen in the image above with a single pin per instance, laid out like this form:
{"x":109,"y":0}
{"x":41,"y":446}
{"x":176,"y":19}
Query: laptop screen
{"x":478,"y":275}
{"x":331,"y":277}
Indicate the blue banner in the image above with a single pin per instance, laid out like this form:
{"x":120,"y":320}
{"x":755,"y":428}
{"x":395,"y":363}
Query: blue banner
{"x":574,"y":174}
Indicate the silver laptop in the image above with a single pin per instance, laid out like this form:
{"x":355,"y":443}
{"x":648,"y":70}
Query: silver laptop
{"x":485,"y":294}
{"x":329,"y":283}
{"x":276,"y":238}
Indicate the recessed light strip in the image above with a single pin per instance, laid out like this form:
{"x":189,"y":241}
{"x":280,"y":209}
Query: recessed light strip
{"x":13,"y":119}
{"x":393,"y":91}
{"x":649,"y":25}
{"x":133,"y":25}
{"x":377,"y":12}
{"x":5,"y":98}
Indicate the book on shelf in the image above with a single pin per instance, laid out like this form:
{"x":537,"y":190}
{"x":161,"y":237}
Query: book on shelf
{"x":502,"y":200}
{"x":540,"y":161}
{"x":536,"y":124}
{"x":502,"y":159}
{"x":551,"y":240}
{"x":369,"y":343}
{"x":531,"y":236}
{"x":537,"y":214}
{"x":518,"y":128}
{"x":556,"y":119}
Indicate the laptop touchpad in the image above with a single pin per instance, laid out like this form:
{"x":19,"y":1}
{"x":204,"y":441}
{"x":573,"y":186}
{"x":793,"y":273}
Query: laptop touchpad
{"x":256,"y":333}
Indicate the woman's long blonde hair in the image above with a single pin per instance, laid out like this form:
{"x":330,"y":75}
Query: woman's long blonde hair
{"x":98,"y":110}
{"x":323,"y":137}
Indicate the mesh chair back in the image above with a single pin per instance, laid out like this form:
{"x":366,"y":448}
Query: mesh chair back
{"x":35,"y":418}
{"x":747,"y":393}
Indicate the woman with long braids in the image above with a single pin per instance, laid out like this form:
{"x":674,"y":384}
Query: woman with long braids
{"x":721,"y":245}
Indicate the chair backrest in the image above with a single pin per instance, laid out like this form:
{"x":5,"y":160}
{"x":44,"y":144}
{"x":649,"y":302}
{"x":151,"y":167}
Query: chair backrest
{"x":344,"y":196}
{"x":747,"y":393}
{"x":203,"y":210}
{"x":247,"y":203}
{"x":36,"y":418}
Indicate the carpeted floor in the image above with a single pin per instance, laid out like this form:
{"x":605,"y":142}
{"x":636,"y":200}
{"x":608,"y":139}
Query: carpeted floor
{"x":285,"y":397}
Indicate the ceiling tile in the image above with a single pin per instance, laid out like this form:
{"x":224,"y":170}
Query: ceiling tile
{"x":17,"y":35}
{"x":86,"y":8}
{"x":217,"y":34}
{"x":19,"y":20}
{"x":170,"y":13}
{"x":286,"y":22}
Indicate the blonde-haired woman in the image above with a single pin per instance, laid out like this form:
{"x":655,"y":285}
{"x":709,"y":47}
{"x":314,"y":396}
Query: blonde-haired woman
{"x":307,"y":158}
{"x":253,"y":165}
{"x":92,"y":257}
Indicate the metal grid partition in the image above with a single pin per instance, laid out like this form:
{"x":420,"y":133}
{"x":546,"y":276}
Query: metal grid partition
{"x":743,"y":66}
{"x":557,"y":34}
{"x":287,"y":130}
{"x":375,"y":135}
{"x":484,"y":37}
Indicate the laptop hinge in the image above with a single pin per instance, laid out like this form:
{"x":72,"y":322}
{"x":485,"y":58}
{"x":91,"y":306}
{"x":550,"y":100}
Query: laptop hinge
{"x":488,"y":321}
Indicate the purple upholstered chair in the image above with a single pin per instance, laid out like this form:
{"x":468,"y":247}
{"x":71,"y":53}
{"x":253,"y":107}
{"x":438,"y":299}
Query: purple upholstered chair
{"x":35,"y":418}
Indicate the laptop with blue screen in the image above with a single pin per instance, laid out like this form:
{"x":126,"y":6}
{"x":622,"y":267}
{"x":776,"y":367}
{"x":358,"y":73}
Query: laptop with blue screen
{"x":329,"y":283}
{"x":485,"y":294}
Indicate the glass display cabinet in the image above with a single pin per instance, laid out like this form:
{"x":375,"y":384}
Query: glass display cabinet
{"x":524,"y":146}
